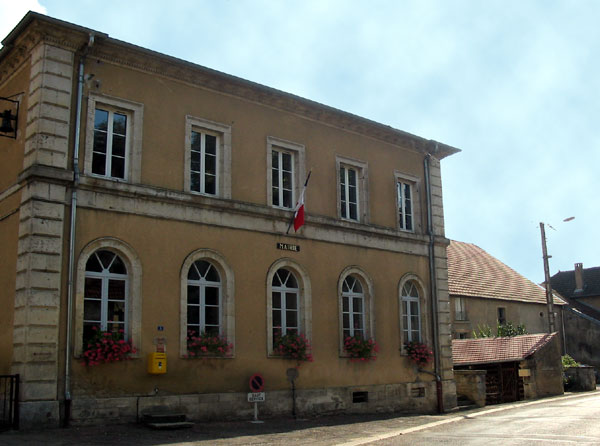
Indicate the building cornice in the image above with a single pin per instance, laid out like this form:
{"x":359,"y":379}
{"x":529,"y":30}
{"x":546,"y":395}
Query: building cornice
{"x":36,"y":27}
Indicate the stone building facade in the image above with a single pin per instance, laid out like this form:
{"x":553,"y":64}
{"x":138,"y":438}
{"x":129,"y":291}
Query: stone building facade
{"x":150,"y":195}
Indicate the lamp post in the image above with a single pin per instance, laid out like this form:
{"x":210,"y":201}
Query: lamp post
{"x":549,"y":295}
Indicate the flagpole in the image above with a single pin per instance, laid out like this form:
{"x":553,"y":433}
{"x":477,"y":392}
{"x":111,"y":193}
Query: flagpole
{"x":296,"y":207}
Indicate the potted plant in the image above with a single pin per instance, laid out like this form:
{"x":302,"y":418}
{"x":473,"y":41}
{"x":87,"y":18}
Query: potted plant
{"x":206,"y":345}
{"x":106,"y":346}
{"x":419,"y":353}
{"x":360,"y":349}
{"x":292,"y":345}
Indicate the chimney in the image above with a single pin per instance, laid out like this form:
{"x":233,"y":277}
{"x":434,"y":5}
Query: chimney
{"x":578,"y":277}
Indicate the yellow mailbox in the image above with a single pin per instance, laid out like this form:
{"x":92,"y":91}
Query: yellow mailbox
{"x":157,"y":363}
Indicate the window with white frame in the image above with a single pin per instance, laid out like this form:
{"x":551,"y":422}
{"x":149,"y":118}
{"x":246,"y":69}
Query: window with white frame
{"x":460,"y":309}
{"x":407,"y":202}
{"x":204,"y":299}
{"x":353,"y":308}
{"x":285,"y":167}
{"x":203,"y":163}
{"x":105,"y":295}
{"x":285,"y":303}
{"x":207,"y":298}
{"x":207,"y":157}
{"x":288,"y":302}
{"x":282,"y":178}
{"x":405,"y":206}
{"x":352,"y":189}
{"x":109,"y":155}
{"x":349,"y":193}
{"x":411,"y":312}
{"x":356,"y":314}
{"x":114,"y":138}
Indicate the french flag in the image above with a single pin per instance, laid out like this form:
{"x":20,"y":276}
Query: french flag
{"x":298,"y":219}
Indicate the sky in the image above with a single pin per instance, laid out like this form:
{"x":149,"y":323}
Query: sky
{"x":514,"y":84}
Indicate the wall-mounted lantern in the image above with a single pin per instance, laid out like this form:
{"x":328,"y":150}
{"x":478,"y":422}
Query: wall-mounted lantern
{"x":9,"y":117}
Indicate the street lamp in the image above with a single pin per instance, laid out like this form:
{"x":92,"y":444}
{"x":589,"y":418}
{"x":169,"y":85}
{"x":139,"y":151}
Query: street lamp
{"x":549,"y":297}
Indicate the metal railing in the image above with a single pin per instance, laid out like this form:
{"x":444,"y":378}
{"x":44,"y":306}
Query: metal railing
{"x":9,"y":402}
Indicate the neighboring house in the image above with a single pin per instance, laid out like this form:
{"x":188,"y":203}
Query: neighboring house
{"x":580,"y":288}
{"x":484,"y":291}
{"x":169,"y":214}
{"x":515,"y":368}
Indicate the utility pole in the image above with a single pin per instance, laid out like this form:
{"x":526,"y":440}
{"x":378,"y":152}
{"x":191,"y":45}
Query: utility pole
{"x":549,"y":299}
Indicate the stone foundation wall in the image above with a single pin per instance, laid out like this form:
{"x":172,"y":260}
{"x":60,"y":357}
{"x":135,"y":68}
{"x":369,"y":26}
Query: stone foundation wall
{"x":417,"y":397}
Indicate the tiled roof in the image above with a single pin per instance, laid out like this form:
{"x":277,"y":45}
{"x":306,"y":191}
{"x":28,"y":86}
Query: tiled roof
{"x":564,"y":283}
{"x":474,"y":272}
{"x":490,"y":350}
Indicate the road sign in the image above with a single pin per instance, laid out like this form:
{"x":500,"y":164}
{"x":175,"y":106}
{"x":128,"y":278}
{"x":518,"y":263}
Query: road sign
{"x":256,"y":397}
{"x":257,"y":383}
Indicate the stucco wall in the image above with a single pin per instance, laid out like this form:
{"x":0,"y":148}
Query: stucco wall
{"x":12,"y":84}
{"x":482,"y":311}
{"x":582,"y":334}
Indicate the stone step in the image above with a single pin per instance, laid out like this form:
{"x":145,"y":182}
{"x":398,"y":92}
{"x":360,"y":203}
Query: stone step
{"x":171,"y":425}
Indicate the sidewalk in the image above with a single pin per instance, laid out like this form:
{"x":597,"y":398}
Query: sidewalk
{"x":346,"y":430}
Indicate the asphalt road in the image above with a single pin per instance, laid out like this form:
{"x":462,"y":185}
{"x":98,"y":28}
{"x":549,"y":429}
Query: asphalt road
{"x":570,"y":420}
{"x":564,"y":420}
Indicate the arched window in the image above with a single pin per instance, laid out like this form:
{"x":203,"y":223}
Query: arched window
{"x":108,"y":291}
{"x":285,"y":305}
{"x":353,"y":308}
{"x":204,"y":303}
{"x":207,"y":298}
{"x":105,"y":294}
{"x":288,"y":301}
{"x":356,"y":305}
{"x":411,"y":312}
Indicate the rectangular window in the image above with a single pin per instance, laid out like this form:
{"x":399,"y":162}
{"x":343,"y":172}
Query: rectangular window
{"x":501,"y":315}
{"x":203,"y":162}
{"x":405,"y":206}
{"x":113,"y":142}
{"x":282,"y":178}
{"x":349,"y":193}
{"x":285,"y":172}
{"x":109,"y":152}
{"x":207,"y":157}
{"x":460,"y":309}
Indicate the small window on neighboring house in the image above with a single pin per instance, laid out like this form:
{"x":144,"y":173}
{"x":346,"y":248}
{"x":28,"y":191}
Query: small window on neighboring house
{"x":114,"y":138}
{"x":460,"y":309}
{"x":462,"y":335}
{"x":207,"y":157}
{"x":501,"y":315}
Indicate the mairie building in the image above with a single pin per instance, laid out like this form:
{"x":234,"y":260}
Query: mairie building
{"x":148,"y":201}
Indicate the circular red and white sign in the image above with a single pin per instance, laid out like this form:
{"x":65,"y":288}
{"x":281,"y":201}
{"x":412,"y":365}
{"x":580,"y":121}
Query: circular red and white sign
{"x":257,"y":383}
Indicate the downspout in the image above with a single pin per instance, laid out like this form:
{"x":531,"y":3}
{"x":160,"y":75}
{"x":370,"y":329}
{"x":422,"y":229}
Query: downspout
{"x":433,"y":286}
{"x":70,"y":285}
